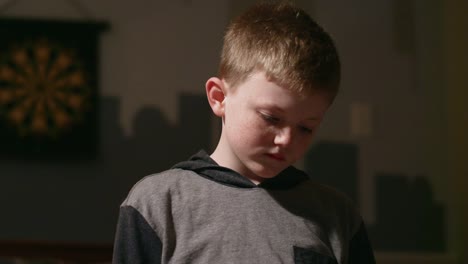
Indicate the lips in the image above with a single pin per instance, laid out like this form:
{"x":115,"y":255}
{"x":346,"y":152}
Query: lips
{"x":276,"y":156}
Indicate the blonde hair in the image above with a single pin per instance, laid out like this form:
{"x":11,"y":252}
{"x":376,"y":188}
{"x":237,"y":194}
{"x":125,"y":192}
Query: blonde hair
{"x":285,"y":43}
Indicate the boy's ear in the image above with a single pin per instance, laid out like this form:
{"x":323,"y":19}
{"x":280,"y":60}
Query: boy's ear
{"x":215,"y":91}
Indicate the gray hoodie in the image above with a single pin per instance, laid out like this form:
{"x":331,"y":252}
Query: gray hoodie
{"x":200,"y":212}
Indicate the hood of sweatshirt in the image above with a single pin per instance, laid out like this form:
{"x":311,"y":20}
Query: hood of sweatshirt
{"x":202,"y":164}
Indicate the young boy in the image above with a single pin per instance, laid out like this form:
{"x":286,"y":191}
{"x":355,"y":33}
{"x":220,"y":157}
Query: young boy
{"x":245,"y":203}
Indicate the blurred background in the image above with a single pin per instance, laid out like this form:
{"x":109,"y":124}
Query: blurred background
{"x":394,"y":140}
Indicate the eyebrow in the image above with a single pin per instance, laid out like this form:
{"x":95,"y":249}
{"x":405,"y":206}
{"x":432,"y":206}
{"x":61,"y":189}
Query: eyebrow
{"x":278,"y":109}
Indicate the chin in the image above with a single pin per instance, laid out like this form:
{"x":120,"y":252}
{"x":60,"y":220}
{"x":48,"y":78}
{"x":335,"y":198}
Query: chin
{"x":263,"y":171}
{"x":268,"y":174}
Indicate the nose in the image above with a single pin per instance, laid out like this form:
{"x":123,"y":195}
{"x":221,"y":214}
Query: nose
{"x":284,"y":136}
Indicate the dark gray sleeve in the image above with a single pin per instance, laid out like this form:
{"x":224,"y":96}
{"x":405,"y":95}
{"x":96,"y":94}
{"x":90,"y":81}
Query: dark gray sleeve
{"x":135,"y":240}
{"x":360,"y":251}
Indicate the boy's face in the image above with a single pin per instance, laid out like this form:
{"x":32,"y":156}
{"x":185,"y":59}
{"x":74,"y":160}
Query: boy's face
{"x":266,"y":127}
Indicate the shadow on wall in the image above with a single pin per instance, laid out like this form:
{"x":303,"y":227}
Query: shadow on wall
{"x":156,"y":144}
{"x":408,"y":218}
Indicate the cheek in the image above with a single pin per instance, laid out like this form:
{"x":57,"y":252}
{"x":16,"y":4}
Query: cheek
{"x":248,"y":131}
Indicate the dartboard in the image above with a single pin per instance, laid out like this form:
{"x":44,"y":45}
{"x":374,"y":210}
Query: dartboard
{"x":44,"y":89}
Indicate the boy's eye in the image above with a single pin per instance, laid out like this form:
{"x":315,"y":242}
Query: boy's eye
{"x":269,"y":118}
{"x":306,"y":129}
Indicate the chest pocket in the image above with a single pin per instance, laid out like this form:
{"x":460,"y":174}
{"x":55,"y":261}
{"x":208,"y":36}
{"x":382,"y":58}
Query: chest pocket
{"x":308,"y":256}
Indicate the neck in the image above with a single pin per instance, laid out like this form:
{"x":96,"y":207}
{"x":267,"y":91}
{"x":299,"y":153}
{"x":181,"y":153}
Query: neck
{"x":224,"y":156}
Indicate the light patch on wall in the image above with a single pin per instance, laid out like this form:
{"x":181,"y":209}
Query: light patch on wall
{"x":360,"y":119}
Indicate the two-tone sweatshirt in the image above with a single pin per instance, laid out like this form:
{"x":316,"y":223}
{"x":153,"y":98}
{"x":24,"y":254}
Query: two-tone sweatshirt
{"x":200,"y":212}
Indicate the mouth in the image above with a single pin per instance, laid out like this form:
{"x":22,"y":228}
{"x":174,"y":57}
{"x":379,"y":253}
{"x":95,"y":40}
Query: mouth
{"x":276,"y":156}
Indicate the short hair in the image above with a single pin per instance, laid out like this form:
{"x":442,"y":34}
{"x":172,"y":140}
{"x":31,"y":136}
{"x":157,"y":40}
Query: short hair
{"x":284,"y":42}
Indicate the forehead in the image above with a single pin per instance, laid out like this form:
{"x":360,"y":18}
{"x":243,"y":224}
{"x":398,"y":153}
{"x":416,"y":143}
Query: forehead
{"x":258,"y":91}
